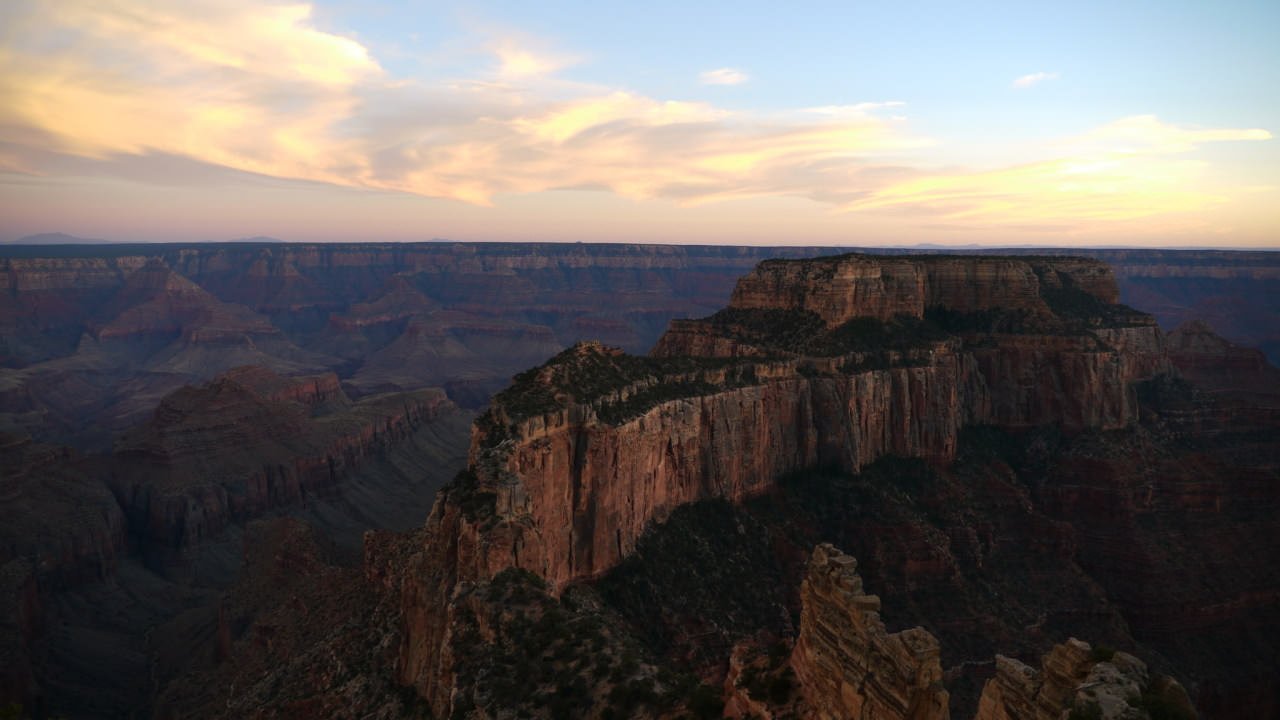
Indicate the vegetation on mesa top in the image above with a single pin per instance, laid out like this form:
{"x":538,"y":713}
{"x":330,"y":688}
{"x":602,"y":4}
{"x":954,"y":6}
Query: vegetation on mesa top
{"x":802,"y":332}
{"x":589,"y":371}
{"x":793,"y":331}
{"x":1080,"y":310}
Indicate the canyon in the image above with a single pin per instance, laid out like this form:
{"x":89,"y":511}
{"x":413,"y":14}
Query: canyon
{"x":92,"y":337}
{"x":924,"y":442}
{"x":1014,"y":458}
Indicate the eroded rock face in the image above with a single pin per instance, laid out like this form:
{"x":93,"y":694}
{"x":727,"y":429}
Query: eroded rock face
{"x":848,"y":665}
{"x":575,"y":487}
{"x":1221,"y":367}
{"x":567,"y":477}
{"x":1072,"y":679}
{"x":848,"y":286}
{"x":248,"y":442}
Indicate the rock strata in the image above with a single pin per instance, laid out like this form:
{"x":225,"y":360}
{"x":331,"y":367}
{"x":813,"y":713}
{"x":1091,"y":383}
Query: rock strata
{"x":1077,"y":681}
{"x":248,"y":442}
{"x":848,"y":665}
{"x":840,"y":288}
{"x":580,"y":455}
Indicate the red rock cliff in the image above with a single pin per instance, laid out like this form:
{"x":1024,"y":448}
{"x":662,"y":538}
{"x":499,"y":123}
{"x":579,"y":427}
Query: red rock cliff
{"x":849,"y":286}
{"x":582,"y":454}
{"x":848,"y":665}
{"x":248,"y":442}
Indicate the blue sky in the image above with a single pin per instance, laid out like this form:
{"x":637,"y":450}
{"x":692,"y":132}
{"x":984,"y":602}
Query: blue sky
{"x":889,"y":123}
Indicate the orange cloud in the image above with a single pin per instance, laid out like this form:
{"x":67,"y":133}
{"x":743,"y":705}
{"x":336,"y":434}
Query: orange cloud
{"x":261,"y":89}
{"x":1120,"y":172}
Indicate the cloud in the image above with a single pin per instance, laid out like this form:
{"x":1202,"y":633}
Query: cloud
{"x":1145,"y":134}
{"x":858,"y":110}
{"x":263,"y":90}
{"x":1033,"y":79}
{"x":723,"y":76}
{"x":150,"y":89}
{"x":518,"y":62}
{"x":1120,"y":172}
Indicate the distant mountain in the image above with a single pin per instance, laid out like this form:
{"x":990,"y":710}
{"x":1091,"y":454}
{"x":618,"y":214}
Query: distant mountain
{"x":55,"y":238}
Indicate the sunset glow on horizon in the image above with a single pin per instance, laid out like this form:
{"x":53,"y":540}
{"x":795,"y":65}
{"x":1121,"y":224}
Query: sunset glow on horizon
{"x":1151,"y":125}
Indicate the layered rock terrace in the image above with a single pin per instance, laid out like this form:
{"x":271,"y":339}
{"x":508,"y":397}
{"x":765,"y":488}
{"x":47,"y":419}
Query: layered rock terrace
{"x":580,"y":455}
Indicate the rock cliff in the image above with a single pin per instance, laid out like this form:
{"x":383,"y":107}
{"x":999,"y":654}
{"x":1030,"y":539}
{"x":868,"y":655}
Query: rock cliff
{"x":844,"y":287}
{"x":1230,"y":372}
{"x":248,"y":442}
{"x":848,"y":665}
{"x":467,"y":317}
{"x":583,"y":452}
{"x":580,"y":455}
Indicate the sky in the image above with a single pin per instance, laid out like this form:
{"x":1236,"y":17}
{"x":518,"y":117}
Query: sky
{"x":850,"y":123}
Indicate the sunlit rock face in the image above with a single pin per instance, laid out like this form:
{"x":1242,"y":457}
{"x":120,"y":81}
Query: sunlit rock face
{"x":581,"y":454}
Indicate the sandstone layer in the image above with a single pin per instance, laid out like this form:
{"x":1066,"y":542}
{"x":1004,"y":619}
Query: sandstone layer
{"x":1074,"y":680}
{"x":467,"y":317}
{"x":579,"y":456}
{"x":248,"y":442}
{"x":574,"y":491}
{"x":848,"y":286}
{"x":848,"y":665}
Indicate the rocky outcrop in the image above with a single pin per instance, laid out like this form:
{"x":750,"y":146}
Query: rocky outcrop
{"x":248,"y":442}
{"x":1235,"y":374}
{"x":727,"y":444}
{"x":156,"y":300}
{"x":1073,"y":679}
{"x":577,"y":458}
{"x":848,"y":665}
{"x":575,"y":485}
{"x":58,"y":514}
{"x":401,"y":300}
{"x":311,"y":391}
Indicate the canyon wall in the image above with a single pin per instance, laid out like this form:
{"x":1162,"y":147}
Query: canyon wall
{"x":583,"y":453}
{"x":248,"y":442}
{"x":91,"y":338}
{"x":847,"y":286}
{"x":577,"y":491}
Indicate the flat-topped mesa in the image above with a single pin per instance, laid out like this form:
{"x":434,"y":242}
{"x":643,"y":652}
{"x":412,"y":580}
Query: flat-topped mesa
{"x":843,"y":287}
{"x":837,"y":305}
{"x":579,"y":454}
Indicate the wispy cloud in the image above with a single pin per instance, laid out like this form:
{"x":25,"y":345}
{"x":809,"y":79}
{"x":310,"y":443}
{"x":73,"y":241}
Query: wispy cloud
{"x":723,"y":76}
{"x":233,"y":84}
{"x":519,"y":62}
{"x":1119,"y":172}
{"x":1034,"y":79}
{"x":236,"y":85}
